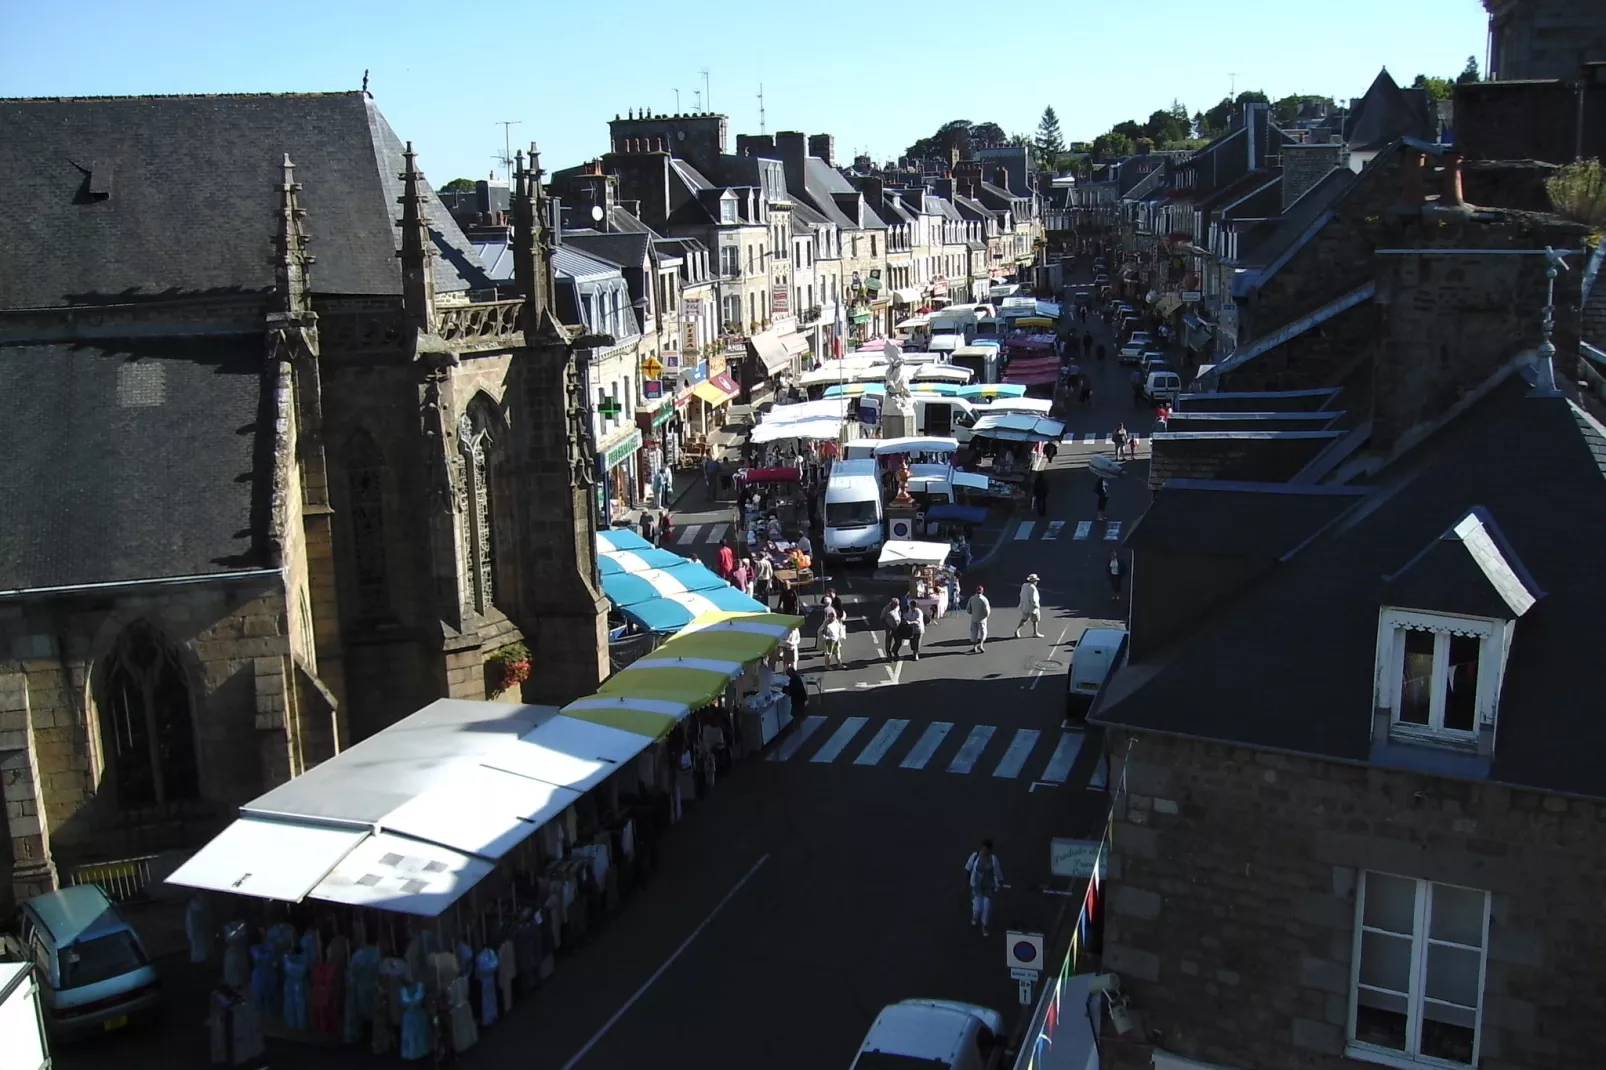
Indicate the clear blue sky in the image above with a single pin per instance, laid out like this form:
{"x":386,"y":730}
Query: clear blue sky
{"x":878,"y":78}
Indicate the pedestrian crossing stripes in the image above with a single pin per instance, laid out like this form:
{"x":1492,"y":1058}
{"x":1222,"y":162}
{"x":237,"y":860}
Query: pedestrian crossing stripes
{"x":1112,"y":531}
{"x":1054,"y":528}
{"x":1083,"y":531}
{"x":1025,"y":531}
{"x":1001,"y":754}
{"x":1106,"y":438}
{"x":839,"y":740}
{"x":688,"y":534}
{"x":717,"y":532}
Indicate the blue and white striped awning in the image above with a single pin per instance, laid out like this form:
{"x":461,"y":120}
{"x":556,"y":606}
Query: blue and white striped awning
{"x":612,"y":561}
{"x":620,"y":539}
{"x":630,"y":588}
{"x":673,"y":612}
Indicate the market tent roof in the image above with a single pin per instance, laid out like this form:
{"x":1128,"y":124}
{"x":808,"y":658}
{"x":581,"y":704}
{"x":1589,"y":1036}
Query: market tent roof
{"x":901,"y":552}
{"x":639,"y":560}
{"x":951,"y":373}
{"x":484,"y":811}
{"x":909,"y":295}
{"x":648,"y":717}
{"x":402,"y":875}
{"x":693,"y":686}
{"x":992,"y":390}
{"x":1041,"y":406}
{"x":568,"y":752}
{"x":1027,"y":372}
{"x":965,"y":514}
{"x":672,"y":612}
{"x":794,"y":344}
{"x":779,"y":625}
{"x":631,"y":588}
{"x":767,"y":346}
{"x":620,"y":539}
{"x":916,"y":444}
{"x":974,"y":480}
{"x":269,"y":859}
{"x":853,"y":390}
{"x":810,"y":419}
{"x":911,"y":323}
{"x":1018,"y":427}
{"x":874,"y":345}
{"x":727,"y":645}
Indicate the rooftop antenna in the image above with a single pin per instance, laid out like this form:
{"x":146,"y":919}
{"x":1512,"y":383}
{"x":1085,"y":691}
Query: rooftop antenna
{"x":697,"y":100}
{"x":761,"y":130}
{"x":1232,"y":85}
{"x":507,"y":147}
{"x":1545,"y":372}
{"x":677,"y":102}
{"x":708,"y":98}
{"x":365,"y":80}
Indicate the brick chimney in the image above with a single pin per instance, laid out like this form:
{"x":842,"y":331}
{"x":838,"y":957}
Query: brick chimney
{"x":1304,"y":165}
{"x":1001,"y":178}
{"x":824,"y":147}
{"x":792,"y":149}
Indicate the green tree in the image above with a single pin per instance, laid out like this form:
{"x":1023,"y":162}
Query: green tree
{"x":1164,"y":127}
{"x":1218,"y":118}
{"x":1143,"y":146}
{"x":988,"y":134}
{"x":1286,"y":110}
{"x":1050,"y":139}
{"x":1112,"y":145}
{"x":1437,"y":88}
{"x":1578,"y":192}
{"x":1129,"y":129}
{"x":459,"y":185}
{"x":1469,"y":73}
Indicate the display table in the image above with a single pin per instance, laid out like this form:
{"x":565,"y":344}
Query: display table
{"x":763,"y":717}
{"x":934,"y":607}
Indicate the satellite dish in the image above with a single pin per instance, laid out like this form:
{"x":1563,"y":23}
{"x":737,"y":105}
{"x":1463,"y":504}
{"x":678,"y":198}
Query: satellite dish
{"x":596,"y":212}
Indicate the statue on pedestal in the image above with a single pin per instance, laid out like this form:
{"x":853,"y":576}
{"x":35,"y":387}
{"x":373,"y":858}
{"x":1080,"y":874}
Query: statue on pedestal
{"x":898,"y":413}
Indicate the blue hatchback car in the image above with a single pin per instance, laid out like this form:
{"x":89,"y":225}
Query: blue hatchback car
{"x":95,"y":974}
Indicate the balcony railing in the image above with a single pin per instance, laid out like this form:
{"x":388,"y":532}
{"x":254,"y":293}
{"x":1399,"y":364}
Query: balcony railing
{"x":808,"y":315}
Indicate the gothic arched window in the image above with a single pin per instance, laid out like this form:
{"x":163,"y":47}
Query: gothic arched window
{"x":365,"y":493}
{"x":477,"y":435}
{"x":146,"y":722}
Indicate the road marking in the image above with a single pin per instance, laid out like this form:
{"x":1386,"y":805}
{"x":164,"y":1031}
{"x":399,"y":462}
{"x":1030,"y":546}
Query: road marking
{"x":790,"y":746}
{"x":1112,"y":531}
{"x":1020,"y":748}
{"x":1041,"y":669}
{"x":880,"y":743}
{"x":717,"y":532}
{"x":1059,"y":766}
{"x":1053,"y":531}
{"x":894,"y":671}
{"x":1084,"y":528}
{"x":670,"y":961}
{"x":688,"y":534}
{"x":1024,"y":531}
{"x":839,"y":740}
{"x":926,"y":745}
{"x":971,"y":749}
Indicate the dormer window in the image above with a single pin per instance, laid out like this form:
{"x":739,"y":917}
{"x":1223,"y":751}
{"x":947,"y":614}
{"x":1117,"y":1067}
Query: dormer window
{"x":727,"y":210}
{"x":1444,"y":638}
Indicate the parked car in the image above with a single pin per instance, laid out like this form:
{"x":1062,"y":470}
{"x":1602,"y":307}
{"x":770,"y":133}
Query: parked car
{"x":1100,"y":265}
{"x":94,"y":973}
{"x":1094,"y":658}
{"x":1163,"y":385}
{"x":1153,"y":360}
{"x":1132,"y":350}
{"x":935,"y":1033}
{"x":1100,"y":279}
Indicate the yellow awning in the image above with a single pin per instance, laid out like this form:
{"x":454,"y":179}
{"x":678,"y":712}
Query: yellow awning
{"x":652,"y":718}
{"x":711,"y":393}
{"x":722,"y":645}
{"x":695,"y":687}
{"x":779,"y":625}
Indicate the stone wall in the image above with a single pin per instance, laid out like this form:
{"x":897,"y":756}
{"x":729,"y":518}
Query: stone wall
{"x":1544,"y":38}
{"x":232,"y":646}
{"x":1258,"y":456}
{"x":1232,"y":902}
{"x":1319,"y":356}
{"x":1305,"y":165}
{"x":1517,"y":121}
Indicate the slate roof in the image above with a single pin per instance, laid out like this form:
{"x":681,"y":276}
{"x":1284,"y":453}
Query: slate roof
{"x":1264,"y":243}
{"x":626,"y":250}
{"x":1387,"y":113}
{"x":1470,"y":569}
{"x":190,"y":188}
{"x":1249,"y":672}
{"x":1256,"y":520}
{"x":133,"y":462}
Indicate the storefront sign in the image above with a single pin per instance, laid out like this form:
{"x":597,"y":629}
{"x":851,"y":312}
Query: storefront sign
{"x":620,"y":451}
{"x":781,"y":300}
{"x":652,"y":367}
{"x":1191,"y":295}
{"x":652,"y":389}
{"x":1072,"y":858}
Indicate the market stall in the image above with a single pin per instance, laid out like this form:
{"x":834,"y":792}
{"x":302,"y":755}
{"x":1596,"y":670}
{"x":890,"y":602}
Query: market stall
{"x":930,"y":578}
{"x":991,"y":391}
{"x":1018,"y":427}
{"x":806,"y":420}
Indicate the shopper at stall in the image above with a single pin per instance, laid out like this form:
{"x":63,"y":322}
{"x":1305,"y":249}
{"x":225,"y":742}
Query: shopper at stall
{"x":914,"y":625}
{"x":742,"y":577}
{"x":833,"y":601}
{"x":727,"y":561}
{"x":986,"y":877}
{"x":665,"y":528}
{"x":786,"y":602}
{"x":1031,"y":607}
{"x":646,"y":524}
{"x":891,"y":622}
{"x":763,"y":576}
{"x":980,"y":610}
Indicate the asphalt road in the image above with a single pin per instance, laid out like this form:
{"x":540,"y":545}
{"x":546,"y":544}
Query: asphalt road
{"x":824,"y":880}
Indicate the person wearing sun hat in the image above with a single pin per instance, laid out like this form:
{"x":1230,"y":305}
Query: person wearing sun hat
{"x":1031,"y":607}
{"x":980,"y":610}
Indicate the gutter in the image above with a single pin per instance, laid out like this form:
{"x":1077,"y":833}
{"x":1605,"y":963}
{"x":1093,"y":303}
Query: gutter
{"x":131,"y":585}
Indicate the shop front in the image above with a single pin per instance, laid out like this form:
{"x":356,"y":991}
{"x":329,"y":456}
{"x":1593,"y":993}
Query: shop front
{"x":658,"y":420}
{"x":618,"y":473}
{"x":770,"y":357}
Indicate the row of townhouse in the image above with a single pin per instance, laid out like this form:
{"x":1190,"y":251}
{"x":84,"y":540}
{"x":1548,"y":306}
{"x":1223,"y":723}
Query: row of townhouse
{"x":1399,"y":865}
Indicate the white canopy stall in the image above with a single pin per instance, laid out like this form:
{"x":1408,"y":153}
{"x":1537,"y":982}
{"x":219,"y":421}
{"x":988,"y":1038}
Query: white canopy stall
{"x":1017,"y":427}
{"x":809,"y":419}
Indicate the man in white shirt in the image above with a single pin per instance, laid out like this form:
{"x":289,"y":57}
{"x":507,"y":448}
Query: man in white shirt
{"x":980,"y":610}
{"x":986,"y":877}
{"x":1031,"y":607}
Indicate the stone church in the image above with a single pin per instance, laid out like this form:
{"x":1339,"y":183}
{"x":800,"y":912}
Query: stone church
{"x":280,"y":466}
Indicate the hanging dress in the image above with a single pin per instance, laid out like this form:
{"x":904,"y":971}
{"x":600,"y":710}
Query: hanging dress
{"x":326,"y":1012}
{"x":295,"y":991}
{"x":237,"y":955}
{"x":265,"y":991}
{"x":416,"y":1042}
{"x":362,"y":990}
{"x":506,"y":969}
{"x":464,"y":1031}
{"x":485,"y":964}
{"x":198,"y":927}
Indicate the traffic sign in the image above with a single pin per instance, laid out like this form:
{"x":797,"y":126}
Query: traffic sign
{"x":1025,"y":975}
{"x":1072,"y":858}
{"x":1025,"y":993}
{"x":652,"y":367}
{"x":1023,"y":951}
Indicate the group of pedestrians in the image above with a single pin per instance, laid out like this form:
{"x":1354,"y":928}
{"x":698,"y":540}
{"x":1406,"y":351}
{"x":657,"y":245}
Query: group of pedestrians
{"x":903,"y":622}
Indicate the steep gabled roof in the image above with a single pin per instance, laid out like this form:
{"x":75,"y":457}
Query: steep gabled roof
{"x":1289,"y":662}
{"x":129,"y":198}
{"x":1470,"y":569}
{"x":1387,"y":113}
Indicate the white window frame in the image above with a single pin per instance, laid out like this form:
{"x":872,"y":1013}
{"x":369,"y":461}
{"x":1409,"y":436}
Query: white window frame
{"x":1420,"y":940}
{"x":1493,"y":644}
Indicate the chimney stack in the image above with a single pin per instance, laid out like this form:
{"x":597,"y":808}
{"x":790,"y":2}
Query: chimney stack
{"x":1001,"y":178}
{"x":823,"y":146}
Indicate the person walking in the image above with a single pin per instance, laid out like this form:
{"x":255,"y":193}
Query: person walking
{"x":763,"y":576}
{"x":892,"y":624}
{"x":1098,"y":352}
{"x":1119,"y":436}
{"x":1087,"y":344}
{"x":980,"y":610}
{"x":1031,"y":607}
{"x":986,"y":877}
{"x":1051,"y":449}
{"x":742,"y":578}
{"x":711,"y":478}
{"x":727,"y":561}
{"x":786,"y":602}
{"x":1040,"y":493}
{"x":1101,"y":490}
{"x":646,"y":525}
{"x":914,"y":625}
{"x":832,"y":635}
{"x":1115,"y":570}
{"x":1137,"y":389}
{"x":1087,"y":390}
{"x":833,"y":601}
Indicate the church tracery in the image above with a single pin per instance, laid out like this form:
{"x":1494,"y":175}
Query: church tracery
{"x":478,"y":431}
{"x":147,"y":724}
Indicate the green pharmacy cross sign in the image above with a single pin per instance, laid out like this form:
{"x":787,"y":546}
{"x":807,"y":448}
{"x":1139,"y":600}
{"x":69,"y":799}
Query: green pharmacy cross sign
{"x":608,"y":406}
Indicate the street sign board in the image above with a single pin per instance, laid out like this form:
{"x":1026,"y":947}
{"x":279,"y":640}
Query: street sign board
{"x":1072,"y":858}
{"x":652,"y":367}
{"x":1023,"y":951}
{"x":1190,"y":295}
{"x":1025,"y":975}
{"x":1025,"y":993}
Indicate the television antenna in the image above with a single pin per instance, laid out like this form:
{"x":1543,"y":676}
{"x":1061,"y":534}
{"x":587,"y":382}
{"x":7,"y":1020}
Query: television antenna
{"x":677,"y":101}
{"x":708,"y":97}
{"x":697,"y":100}
{"x":507,"y":146}
{"x":761,"y":129}
{"x":1232,"y":84}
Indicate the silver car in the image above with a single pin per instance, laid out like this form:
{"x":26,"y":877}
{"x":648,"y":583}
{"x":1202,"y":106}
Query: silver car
{"x":94,"y":971}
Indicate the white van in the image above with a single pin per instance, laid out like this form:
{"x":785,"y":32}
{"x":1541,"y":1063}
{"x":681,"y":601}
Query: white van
{"x":957,"y":321}
{"x":982,"y":361}
{"x":1163,"y":385}
{"x":940,"y":416}
{"x":936,"y":1033}
{"x":1095,"y":657}
{"x":853,"y":517}
{"x":944,"y":346}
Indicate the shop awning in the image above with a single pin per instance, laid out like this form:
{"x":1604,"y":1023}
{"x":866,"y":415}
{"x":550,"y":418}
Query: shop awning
{"x":484,"y":811}
{"x":795,"y":344}
{"x":895,"y":552}
{"x":651,"y":417}
{"x":716,"y":390}
{"x":611,"y":561}
{"x":909,"y":295}
{"x":632,"y":588}
{"x":1018,"y":427}
{"x":672,"y":612}
{"x":770,"y":351}
{"x":402,"y":875}
{"x":992,"y":390}
{"x":621,"y":539}
{"x":569,"y":753}
{"x":281,"y":860}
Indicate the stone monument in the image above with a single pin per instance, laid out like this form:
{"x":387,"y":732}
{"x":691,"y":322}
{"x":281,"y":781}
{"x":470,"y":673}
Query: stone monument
{"x":898,"y":412}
